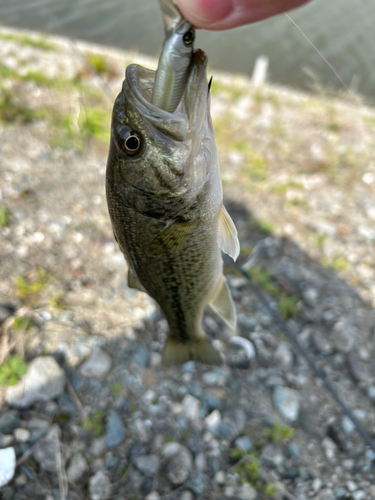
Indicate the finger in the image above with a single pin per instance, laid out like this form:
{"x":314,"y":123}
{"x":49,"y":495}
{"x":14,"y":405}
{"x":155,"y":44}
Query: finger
{"x":225,"y":14}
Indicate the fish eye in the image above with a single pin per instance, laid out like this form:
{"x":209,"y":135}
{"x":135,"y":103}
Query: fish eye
{"x":129,"y":141}
{"x":189,"y":37}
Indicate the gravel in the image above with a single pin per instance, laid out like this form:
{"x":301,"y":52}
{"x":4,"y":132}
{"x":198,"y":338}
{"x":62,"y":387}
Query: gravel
{"x":106,"y":411}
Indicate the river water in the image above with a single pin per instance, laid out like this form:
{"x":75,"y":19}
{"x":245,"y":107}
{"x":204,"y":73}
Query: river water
{"x":341,"y":29}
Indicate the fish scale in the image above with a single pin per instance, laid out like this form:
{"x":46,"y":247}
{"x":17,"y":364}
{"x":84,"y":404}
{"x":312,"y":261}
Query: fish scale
{"x":165,"y":201}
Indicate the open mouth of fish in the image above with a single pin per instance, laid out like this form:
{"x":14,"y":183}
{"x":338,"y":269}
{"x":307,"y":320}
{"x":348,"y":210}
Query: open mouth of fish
{"x":190,"y":112}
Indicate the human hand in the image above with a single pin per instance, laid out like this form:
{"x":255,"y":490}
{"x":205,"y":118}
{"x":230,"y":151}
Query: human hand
{"x":225,"y":14}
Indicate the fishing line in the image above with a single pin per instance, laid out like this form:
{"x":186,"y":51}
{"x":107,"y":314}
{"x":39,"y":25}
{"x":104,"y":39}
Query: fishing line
{"x":302,"y":351}
{"x":321,"y":55}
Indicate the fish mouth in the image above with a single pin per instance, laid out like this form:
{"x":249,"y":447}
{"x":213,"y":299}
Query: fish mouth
{"x":189,"y":114}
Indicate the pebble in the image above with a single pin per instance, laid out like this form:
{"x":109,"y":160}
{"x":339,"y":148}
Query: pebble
{"x":359,"y":495}
{"x":115,"y":430}
{"x":141,"y":355}
{"x":347,"y":425}
{"x":147,"y":464}
{"x":77,"y":468}
{"x":287,"y":402}
{"x":98,"y":446}
{"x":340,"y":493}
{"x":9,"y":421}
{"x":198,"y":483}
{"x":44,"y":381}
{"x":220,"y":477}
{"x":154,"y":495}
{"x":98,"y":365}
{"x":284,"y":354}
{"x":99,"y":486}
{"x":21,"y":435}
{"x":186,"y":495}
{"x":247,"y":492}
{"x":49,"y":452}
{"x":7,"y":465}
{"x":179,"y":462}
{"x":6,"y":440}
{"x":191,"y":406}
{"x":244,"y":444}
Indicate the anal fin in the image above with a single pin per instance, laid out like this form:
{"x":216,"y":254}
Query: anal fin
{"x":133,"y":282}
{"x":222,"y":304}
{"x":228,"y":239}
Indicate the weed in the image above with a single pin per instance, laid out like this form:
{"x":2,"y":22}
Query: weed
{"x":277,"y":432}
{"x":264,"y":280}
{"x":263,"y":226}
{"x":30,"y":289}
{"x":95,"y":423}
{"x":283,"y":188}
{"x":57,"y":301}
{"x":12,"y":370}
{"x":116,"y":389}
{"x":4,"y":216}
{"x":233,"y":92}
{"x":99,"y":63}
{"x":334,"y":127}
{"x":288,"y":306}
{"x":336,"y":263}
{"x":95,"y":124}
{"x":22,"y":323}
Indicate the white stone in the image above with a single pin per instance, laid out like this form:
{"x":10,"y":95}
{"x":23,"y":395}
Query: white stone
{"x":191,"y":406}
{"x":99,"y":486}
{"x":21,"y":435}
{"x":287,"y":403}
{"x":44,"y":381}
{"x":7,"y":465}
{"x":78,"y":466}
{"x":98,"y":365}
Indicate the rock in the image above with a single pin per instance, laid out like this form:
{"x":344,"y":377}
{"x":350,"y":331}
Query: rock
{"x":359,"y":495}
{"x":220,"y":477}
{"x":44,"y":381}
{"x":287,"y":402}
{"x":191,"y":407}
{"x":284,"y":354}
{"x":201,"y":462}
{"x":98,"y":365}
{"x":77,"y":468}
{"x":293,"y":451}
{"x":21,"y":435}
{"x":186,"y":495}
{"x":154,"y":495}
{"x":198,"y":483}
{"x":247,"y":492}
{"x":49,"y":452}
{"x":141,"y":355}
{"x":9,"y":421}
{"x":147,"y":464}
{"x":6,"y":440}
{"x":98,"y":446}
{"x":7,"y":465}
{"x":347,"y":425}
{"x":99,"y":486}
{"x":236,"y":420}
{"x":326,"y":494}
{"x":244,"y":444}
{"x":115,"y":430}
{"x":179,"y":462}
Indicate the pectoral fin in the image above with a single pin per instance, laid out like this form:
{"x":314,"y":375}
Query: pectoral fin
{"x":222,"y":304}
{"x":171,"y":239}
{"x":133,"y":282}
{"x":228,"y":239}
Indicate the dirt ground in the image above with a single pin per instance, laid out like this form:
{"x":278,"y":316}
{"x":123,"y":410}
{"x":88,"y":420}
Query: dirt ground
{"x":298,"y":172}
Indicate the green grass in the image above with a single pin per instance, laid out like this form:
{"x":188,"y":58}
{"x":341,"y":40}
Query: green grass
{"x":278,"y":432}
{"x":4,"y":216}
{"x":283,"y":188}
{"x":95,"y":423}
{"x":99,"y":63}
{"x":263,"y":226}
{"x":233,"y":92}
{"x":12,"y":110}
{"x":22,"y":323}
{"x":37,"y":43}
{"x":288,"y":306}
{"x":12,"y":370}
{"x":29,"y":290}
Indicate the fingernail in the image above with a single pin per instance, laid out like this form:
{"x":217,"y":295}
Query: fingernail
{"x":204,"y":12}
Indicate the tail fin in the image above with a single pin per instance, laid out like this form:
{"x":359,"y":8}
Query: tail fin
{"x":177,"y":353}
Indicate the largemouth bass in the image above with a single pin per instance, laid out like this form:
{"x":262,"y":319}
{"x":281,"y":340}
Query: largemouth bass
{"x":166,"y":206}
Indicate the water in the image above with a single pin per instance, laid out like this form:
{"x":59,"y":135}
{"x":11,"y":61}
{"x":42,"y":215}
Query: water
{"x":341,"y":29}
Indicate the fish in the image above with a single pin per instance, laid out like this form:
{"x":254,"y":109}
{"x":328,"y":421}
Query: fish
{"x":165,"y":202}
{"x":175,"y":58}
